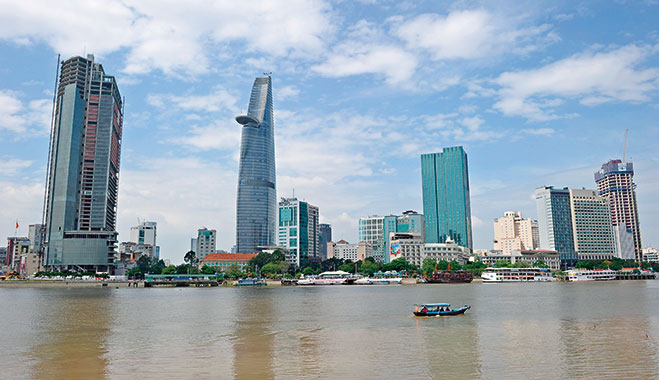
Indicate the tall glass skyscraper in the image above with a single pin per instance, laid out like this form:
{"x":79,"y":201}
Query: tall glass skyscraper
{"x":555,"y":222}
{"x":446,"y":205}
{"x":83,"y":176}
{"x":257,"y":196}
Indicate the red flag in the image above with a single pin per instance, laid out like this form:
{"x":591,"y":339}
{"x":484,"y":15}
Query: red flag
{"x":17,"y":224}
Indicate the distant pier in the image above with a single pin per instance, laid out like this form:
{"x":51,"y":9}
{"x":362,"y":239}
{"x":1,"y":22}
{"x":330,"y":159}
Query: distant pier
{"x":181,"y":280}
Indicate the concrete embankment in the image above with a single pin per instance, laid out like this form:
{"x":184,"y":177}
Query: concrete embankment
{"x":72,"y":284}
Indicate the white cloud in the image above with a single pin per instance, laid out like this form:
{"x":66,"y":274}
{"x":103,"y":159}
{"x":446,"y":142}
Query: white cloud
{"x":222,"y":134}
{"x":396,"y":64}
{"x":219,"y":100}
{"x":178,"y":38}
{"x":20,"y":118}
{"x":287,"y":92}
{"x":20,"y":201}
{"x":592,"y":77}
{"x":13,"y":166}
{"x":468,"y":34}
{"x":539,"y":131}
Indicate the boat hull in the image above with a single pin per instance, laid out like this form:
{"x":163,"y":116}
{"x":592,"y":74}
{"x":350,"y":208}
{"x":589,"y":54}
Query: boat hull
{"x":442,"y":313}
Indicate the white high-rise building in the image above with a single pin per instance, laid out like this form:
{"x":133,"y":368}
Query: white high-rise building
{"x":346,"y":251}
{"x":514,"y":233}
{"x":205,"y":242}
{"x":145,"y":234}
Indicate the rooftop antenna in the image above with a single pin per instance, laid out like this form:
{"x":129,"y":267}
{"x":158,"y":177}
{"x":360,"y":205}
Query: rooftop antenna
{"x":268,"y":73}
{"x":624,"y":154}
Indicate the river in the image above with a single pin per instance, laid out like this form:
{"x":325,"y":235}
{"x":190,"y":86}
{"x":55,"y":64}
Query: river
{"x":604,"y":330}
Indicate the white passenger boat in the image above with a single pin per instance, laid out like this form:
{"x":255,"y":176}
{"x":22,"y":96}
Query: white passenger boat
{"x":591,"y":275}
{"x":378,"y":281}
{"x":326,"y":278}
{"x":516,"y":275}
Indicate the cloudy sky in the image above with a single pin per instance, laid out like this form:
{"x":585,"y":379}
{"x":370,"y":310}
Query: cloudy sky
{"x":537,"y":94}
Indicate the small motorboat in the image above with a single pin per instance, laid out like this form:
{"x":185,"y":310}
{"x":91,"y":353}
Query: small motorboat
{"x":438,"y":310}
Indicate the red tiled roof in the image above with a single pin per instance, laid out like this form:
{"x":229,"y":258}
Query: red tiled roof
{"x":341,"y":242}
{"x":229,"y":256}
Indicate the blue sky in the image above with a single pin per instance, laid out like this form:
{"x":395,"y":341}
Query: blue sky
{"x":537,"y":94}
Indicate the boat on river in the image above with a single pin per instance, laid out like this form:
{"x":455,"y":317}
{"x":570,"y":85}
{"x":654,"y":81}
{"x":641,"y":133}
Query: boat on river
{"x":378,"y":281}
{"x":327,"y":278}
{"x":591,"y":275}
{"x":490,"y":275}
{"x":438,"y":310}
{"x":450,"y":277}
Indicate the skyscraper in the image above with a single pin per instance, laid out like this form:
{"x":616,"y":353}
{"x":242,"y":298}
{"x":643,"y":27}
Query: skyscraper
{"x":615,"y":182}
{"x":376,"y":230}
{"x":555,"y":222}
{"x":446,"y":205}
{"x":83,"y":174}
{"x":298,"y":229}
{"x":324,"y":237}
{"x":257,"y":196}
{"x":594,"y":237}
{"x":206,"y":242}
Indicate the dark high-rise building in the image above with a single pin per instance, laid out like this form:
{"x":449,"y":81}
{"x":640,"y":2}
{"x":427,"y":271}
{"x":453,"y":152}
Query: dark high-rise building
{"x":615,"y":182}
{"x":83,"y":171}
{"x":555,"y":223}
{"x":256,"y":208}
{"x":446,"y":204}
{"x":324,"y":237}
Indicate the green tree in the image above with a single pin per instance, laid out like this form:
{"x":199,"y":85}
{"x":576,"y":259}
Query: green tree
{"x":190,"y":258}
{"x":283,"y":266}
{"x":270,"y":270}
{"x":442,"y":265}
{"x":233,"y":271}
{"x":521,"y":264}
{"x":308,"y":271}
{"x":135,"y":272}
{"x":428,"y":266}
{"x":540,"y":264}
{"x":207,"y":269}
{"x":368,"y":268}
{"x":502,"y":264}
{"x":169,"y":269}
{"x":348,"y":267}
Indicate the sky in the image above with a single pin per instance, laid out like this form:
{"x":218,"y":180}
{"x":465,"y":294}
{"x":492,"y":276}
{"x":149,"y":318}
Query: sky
{"x":538,"y":93}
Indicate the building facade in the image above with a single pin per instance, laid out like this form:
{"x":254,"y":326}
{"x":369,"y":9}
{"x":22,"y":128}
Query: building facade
{"x":550,"y":258}
{"x":206,"y":242}
{"x":513,"y":232}
{"x":146,"y":234}
{"x":615,"y":182}
{"x":256,"y":204}
{"x":594,"y":237}
{"x":298,"y":229}
{"x":376,"y":230}
{"x":555,"y":223}
{"x":17,"y":247}
{"x":346,"y":251}
{"x":412,"y":248}
{"x":222,"y":262}
{"x":651,"y":255}
{"x":324,"y":237}
{"x":83,"y":170}
{"x":446,"y":203}
{"x":412,"y":222}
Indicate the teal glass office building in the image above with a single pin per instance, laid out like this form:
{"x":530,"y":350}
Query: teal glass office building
{"x":256,"y":204}
{"x":446,"y":205}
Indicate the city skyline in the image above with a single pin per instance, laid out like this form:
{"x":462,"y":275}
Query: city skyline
{"x":360,"y":93}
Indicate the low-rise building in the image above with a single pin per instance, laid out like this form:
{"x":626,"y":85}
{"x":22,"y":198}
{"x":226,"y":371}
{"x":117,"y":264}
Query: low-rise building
{"x":651,"y":255}
{"x":222,"y":261}
{"x":16,"y":247}
{"x":412,"y":248}
{"x":550,"y":258}
{"x":346,"y":251}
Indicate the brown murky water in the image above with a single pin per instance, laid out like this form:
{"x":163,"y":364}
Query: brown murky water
{"x":514,"y":331}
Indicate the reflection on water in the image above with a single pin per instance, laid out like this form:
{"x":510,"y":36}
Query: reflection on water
{"x":519,"y":331}
{"x":72,"y":344}
{"x":253,"y":338}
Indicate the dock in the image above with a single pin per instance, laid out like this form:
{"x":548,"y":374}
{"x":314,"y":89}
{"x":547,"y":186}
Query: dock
{"x":181,"y":280}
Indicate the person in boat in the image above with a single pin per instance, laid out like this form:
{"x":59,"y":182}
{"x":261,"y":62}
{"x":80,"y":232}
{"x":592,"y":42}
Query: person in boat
{"x":424,"y":310}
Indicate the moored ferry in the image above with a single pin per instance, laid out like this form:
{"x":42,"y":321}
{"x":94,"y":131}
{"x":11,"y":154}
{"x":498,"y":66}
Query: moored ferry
{"x":516,"y":275}
{"x":327,"y":278}
{"x":591,"y":275}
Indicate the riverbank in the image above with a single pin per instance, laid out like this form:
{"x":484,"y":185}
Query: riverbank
{"x":63,"y":283}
